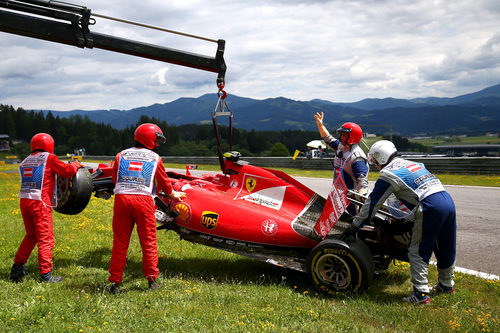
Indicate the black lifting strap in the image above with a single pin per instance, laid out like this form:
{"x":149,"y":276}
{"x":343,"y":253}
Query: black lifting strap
{"x":222,"y":109}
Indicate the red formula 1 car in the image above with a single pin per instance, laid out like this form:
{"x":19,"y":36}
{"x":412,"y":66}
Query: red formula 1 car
{"x":266,"y":215}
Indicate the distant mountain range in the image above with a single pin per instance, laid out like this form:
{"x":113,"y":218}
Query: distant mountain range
{"x":475,"y":113}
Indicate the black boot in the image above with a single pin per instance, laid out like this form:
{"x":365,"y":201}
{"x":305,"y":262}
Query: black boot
{"x":18,"y":272}
{"x":47,"y":277}
{"x":153,"y":285}
{"x":114,"y":289}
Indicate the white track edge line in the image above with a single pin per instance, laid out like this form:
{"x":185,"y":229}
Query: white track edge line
{"x":482,"y":275}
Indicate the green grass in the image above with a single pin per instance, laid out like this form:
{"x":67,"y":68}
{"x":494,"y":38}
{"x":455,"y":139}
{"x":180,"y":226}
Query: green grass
{"x":458,"y":140}
{"x":206,"y":290}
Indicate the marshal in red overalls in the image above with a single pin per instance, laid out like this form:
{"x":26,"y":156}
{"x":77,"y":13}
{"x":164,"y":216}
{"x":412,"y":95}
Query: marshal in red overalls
{"x":136,"y":172}
{"x":38,"y":177}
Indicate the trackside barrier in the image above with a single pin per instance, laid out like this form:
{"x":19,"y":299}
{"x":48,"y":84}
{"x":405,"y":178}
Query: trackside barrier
{"x":458,"y":165}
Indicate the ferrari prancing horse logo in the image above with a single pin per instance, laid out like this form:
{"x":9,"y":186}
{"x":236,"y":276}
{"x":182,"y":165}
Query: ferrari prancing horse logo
{"x":250,"y":184}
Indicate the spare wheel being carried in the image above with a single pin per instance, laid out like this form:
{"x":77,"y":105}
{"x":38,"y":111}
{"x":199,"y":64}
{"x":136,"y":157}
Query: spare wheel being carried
{"x":73,"y":194}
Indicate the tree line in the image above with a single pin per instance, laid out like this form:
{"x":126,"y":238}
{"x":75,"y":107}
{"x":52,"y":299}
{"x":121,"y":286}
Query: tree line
{"x":183,"y":140}
{"x":78,"y":131}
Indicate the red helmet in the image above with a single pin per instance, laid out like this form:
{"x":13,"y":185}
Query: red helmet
{"x":149,"y":135}
{"x":353,"y":130}
{"x":42,"y":141}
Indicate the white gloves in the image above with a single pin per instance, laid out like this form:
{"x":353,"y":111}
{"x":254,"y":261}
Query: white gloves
{"x":177,"y":195}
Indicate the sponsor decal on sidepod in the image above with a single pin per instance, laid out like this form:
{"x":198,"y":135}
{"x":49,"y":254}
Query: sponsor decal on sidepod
{"x":209,"y":219}
{"x":184,"y":212}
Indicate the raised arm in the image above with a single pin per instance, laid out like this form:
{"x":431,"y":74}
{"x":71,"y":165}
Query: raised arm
{"x":323,"y":132}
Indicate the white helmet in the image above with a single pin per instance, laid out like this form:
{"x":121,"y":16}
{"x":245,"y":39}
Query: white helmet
{"x":381,"y":151}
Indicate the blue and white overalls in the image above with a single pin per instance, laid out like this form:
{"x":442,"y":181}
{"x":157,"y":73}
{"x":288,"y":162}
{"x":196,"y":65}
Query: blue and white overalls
{"x":435,"y":218}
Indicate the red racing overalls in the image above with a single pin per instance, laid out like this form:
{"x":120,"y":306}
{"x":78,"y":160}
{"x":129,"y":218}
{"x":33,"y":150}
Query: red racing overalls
{"x":38,"y":178}
{"x":134,"y":173}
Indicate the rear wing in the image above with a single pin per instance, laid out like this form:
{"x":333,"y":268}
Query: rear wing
{"x":335,"y":205}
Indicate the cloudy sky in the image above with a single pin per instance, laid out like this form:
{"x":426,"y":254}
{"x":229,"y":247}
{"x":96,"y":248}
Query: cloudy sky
{"x":342,"y":51}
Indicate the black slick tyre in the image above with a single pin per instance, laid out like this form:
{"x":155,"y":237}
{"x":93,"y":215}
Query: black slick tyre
{"x":336,"y":266}
{"x":73,"y":194}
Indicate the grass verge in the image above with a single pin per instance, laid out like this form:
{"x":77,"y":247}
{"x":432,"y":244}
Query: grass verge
{"x":205,"y":289}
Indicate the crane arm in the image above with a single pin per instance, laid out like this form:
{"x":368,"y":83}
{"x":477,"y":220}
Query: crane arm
{"x":69,"y":24}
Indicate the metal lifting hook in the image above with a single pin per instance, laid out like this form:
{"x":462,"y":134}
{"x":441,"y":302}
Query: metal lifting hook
{"x":221,"y":93}
{"x":221,"y":109}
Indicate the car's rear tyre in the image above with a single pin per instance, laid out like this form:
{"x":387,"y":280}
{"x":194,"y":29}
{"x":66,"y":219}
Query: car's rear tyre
{"x":73,"y":194}
{"x":336,"y":266}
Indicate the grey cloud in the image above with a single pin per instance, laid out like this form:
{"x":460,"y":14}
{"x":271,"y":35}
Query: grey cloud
{"x":341,"y":50}
{"x":487,"y":57}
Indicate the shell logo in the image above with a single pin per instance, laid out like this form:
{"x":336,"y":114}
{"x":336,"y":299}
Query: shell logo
{"x":184,"y":212}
